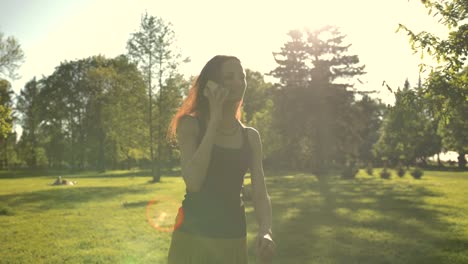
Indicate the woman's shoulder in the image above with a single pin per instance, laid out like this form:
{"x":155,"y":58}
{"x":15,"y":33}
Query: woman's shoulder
{"x":252,"y":132}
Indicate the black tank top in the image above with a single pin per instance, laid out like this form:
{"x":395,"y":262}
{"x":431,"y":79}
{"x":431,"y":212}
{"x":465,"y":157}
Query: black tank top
{"x":217,"y":210}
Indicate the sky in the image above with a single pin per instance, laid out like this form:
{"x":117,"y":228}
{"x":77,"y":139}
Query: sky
{"x":53,"y":31}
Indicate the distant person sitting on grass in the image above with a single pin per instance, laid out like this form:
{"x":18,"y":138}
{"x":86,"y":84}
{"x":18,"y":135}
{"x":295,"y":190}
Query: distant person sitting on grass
{"x":59,"y":181}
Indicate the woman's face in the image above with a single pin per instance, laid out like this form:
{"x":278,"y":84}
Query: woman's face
{"x":233,"y":79}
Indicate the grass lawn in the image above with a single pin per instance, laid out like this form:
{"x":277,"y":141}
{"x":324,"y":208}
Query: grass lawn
{"x":365,"y":220}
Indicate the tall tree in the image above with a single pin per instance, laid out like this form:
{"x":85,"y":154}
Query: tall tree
{"x":257,"y":95}
{"x":123,"y":115}
{"x":258,"y":107}
{"x":66,"y":108}
{"x":28,"y":104}
{"x":92,"y":114}
{"x":11,"y":56}
{"x":293,"y":77}
{"x":152,"y":49}
{"x":451,"y":113}
{"x":446,"y":101}
{"x":407,"y":129}
{"x":175,"y":88}
{"x":314,"y":98}
{"x":370,"y":113}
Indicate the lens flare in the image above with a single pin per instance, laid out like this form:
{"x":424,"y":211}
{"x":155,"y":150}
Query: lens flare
{"x":162,"y":214}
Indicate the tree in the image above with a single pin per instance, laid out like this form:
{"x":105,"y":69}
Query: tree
{"x":6,"y":120}
{"x":123,"y":115}
{"x":66,"y":108}
{"x":257,"y":94}
{"x":407,"y":132}
{"x":314,"y":98}
{"x":152,"y":49}
{"x":446,"y":89}
{"x":370,"y":115}
{"x":293,"y":76}
{"x":11,"y":56}
{"x":5,"y":108}
{"x":258,"y":109}
{"x":175,"y":88}
{"x":451,"y":113}
{"x":89,"y":114}
{"x":28,"y":106}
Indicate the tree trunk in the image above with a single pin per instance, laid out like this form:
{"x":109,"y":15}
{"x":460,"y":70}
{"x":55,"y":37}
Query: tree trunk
{"x":153,"y":173}
{"x":159,"y":162}
{"x":439,"y":162}
{"x":461,"y":161}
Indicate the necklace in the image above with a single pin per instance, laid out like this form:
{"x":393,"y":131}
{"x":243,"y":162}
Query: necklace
{"x":231,"y":131}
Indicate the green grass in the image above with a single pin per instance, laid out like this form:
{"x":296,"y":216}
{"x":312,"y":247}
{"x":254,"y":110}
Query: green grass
{"x":365,"y":220}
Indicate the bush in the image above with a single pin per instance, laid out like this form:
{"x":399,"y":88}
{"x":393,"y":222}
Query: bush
{"x":417,"y":173}
{"x":5,"y":210}
{"x":385,"y":174}
{"x":349,"y":172}
{"x":401,"y":172}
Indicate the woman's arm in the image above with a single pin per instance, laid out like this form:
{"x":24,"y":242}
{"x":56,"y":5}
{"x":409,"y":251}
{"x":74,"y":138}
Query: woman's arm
{"x":261,"y":199}
{"x":194,"y":158}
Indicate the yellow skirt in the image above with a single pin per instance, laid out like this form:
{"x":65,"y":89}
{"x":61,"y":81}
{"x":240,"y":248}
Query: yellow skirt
{"x":193,"y":249}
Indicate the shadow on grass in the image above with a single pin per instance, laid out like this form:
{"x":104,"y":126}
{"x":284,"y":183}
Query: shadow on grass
{"x":65,"y":196}
{"x":135,"y":204}
{"x":329,"y":220}
{"x":17,"y":174}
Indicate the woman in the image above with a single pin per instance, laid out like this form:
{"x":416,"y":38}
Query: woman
{"x":216,"y":152}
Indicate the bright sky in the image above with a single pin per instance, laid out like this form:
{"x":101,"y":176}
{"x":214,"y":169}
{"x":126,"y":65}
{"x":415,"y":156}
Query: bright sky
{"x":52,"y":31}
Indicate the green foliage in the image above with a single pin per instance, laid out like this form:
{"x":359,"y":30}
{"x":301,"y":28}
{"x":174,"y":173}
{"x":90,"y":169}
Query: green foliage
{"x":28,"y":105}
{"x":9,"y":152}
{"x":401,"y":171}
{"x":350,"y":171}
{"x":88,"y":114}
{"x":6,"y":115}
{"x":6,"y":210}
{"x":446,"y":89}
{"x":313,"y":99}
{"x":385,"y":174}
{"x":171,"y":99}
{"x":408,"y":131}
{"x":258,"y":108}
{"x":449,"y":98}
{"x":370,"y":113}
{"x":5,"y":121}
{"x":417,"y":173}
{"x":152,"y":49}
{"x":257,"y":95}
{"x":370,"y":170}
{"x":454,"y":49}
{"x":11,"y":56}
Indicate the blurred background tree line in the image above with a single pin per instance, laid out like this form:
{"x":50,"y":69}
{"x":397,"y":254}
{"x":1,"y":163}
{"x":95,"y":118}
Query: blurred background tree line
{"x":101,"y":113}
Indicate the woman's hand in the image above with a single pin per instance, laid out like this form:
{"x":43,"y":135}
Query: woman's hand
{"x":216,"y":96}
{"x":265,"y":248}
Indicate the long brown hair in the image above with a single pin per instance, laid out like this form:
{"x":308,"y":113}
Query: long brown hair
{"x":196,"y":104}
